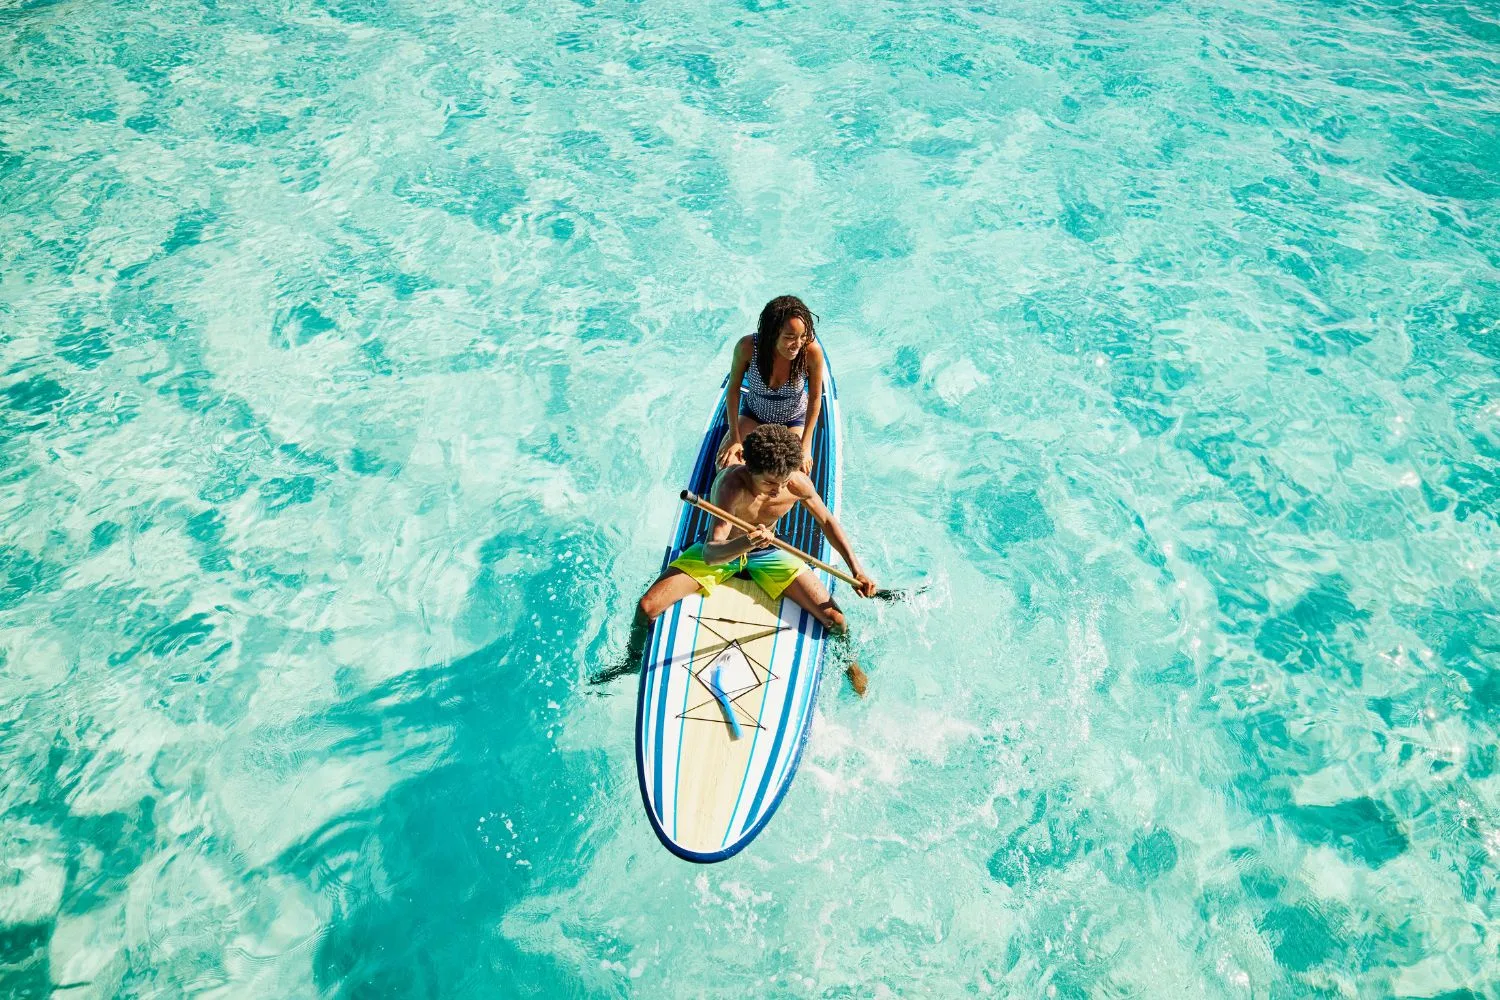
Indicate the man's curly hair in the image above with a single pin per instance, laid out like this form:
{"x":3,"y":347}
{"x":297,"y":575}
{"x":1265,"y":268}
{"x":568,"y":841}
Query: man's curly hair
{"x":773,"y":450}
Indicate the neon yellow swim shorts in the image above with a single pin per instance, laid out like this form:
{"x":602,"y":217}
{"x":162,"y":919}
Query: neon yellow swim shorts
{"x":771,"y":568}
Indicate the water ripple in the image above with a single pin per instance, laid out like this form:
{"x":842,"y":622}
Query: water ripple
{"x":346,"y":348}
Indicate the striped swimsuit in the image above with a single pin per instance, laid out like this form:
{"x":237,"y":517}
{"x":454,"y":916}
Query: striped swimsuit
{"x":786,"y":404}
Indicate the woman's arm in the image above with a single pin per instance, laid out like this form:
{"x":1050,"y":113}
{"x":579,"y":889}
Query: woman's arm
{"x":814,"y":402}
{"x":737,"y":369}
{"x":743,"y":350}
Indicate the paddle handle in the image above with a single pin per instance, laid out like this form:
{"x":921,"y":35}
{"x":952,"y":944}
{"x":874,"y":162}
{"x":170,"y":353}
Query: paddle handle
{"x":688,"y":496}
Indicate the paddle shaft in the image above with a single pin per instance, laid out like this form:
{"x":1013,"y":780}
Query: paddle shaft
{"x":688,"y":496}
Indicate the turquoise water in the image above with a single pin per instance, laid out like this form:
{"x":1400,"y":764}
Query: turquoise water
{"x":353,"y":352}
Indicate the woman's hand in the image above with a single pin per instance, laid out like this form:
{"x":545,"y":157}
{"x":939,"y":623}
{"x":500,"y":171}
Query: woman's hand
{"x":807,"y":460}
{"x":866,"y":586}
{"x":732,"y":453}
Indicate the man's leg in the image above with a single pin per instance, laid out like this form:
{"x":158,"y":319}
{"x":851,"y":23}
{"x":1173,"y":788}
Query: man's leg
{"x":808,"y":591}
{"x":669,"y":588}
{"x":672,"y":586}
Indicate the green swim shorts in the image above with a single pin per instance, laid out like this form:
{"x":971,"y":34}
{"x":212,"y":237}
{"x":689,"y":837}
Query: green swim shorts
{"x":771,"y":568}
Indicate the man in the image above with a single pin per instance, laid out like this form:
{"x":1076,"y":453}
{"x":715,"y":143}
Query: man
{"x":768,"y":484}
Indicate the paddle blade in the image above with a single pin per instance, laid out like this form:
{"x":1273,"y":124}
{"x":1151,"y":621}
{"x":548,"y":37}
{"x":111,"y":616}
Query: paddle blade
{"x":903,"y":594}
{"x":857,"y":679}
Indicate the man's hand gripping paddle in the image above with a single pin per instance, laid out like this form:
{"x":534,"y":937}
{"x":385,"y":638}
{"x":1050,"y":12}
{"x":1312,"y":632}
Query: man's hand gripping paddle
{"x":688,"y":496}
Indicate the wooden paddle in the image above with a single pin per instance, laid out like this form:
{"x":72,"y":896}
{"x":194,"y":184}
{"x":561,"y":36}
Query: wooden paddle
{"x":688,"y":496}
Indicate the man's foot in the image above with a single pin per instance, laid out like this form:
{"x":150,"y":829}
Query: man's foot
{"x":857,"y":679}
{"x":635,"y":645}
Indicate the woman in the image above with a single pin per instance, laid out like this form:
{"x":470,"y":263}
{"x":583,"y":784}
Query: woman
{"x":781,"y":368}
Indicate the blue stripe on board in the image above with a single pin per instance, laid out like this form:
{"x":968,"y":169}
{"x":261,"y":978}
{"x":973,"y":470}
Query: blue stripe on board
{"x":786,"y":708}
{"x":687,"y":691}
{"x":754,"y":741}
{"x":648,"y":687}
{"x":804,"y":719}
{"x":661,"y":704}
{"x":689,"y":525}
{"x":801,"y":530}
{"x":819,"y":543}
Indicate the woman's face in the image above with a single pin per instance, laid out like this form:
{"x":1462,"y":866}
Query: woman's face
{"x":792,"y":339}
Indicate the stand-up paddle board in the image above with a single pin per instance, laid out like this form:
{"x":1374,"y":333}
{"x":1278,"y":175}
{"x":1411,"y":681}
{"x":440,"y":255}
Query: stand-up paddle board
{"x":729,"y":681}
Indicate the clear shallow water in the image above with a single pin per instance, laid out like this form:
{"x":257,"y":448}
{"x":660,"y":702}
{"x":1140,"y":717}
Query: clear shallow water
{"x":353,"y":351}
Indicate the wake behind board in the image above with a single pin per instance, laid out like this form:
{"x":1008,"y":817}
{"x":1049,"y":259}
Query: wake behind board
{"x":706,"y":793}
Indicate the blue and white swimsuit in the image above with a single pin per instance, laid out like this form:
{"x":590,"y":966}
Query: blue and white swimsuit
{"x":786,"y":404}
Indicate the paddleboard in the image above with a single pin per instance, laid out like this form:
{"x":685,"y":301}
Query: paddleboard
{"x":707,"y":792}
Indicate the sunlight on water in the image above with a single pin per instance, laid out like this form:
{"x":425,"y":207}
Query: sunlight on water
{"x":351,"y":356}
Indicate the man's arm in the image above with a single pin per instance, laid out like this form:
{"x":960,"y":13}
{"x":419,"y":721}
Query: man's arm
{"x":804,"y":490}
{"x":720,"y":547}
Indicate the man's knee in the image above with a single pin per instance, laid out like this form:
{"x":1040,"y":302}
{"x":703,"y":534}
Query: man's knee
{"x":835,"y":618}
{"x":649,"y":608}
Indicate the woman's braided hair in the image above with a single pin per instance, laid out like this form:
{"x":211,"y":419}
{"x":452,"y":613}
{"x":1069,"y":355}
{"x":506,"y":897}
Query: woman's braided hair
{"x":772,"y":318}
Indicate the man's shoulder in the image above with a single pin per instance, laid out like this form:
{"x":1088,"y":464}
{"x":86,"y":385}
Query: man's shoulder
{"x":731,"y":482}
